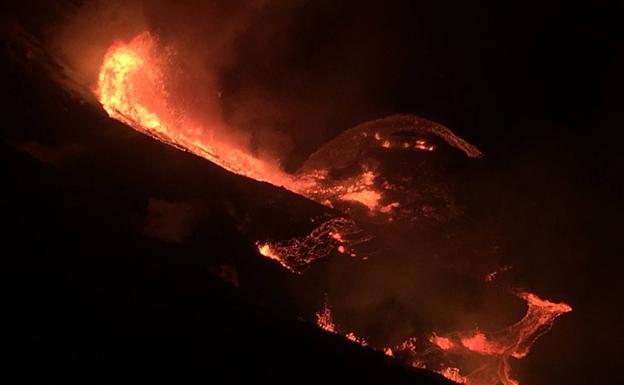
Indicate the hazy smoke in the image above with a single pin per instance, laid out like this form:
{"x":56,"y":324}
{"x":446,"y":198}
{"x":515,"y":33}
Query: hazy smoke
{"x":80,"y":40}
{"x":288,"y":76}
{"x":206,"y":43}
{"x":266,"y":76}
{"x":283,"y":77}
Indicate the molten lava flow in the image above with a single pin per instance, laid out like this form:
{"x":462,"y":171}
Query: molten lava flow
{"x":337,"y":234}
{"x":441,"y":342}
{"x":516,"y":340}
{"x":361,"y":191}
{"x":132,"y":89}
{"x":359,"y":168}
{"x":493,"y":349}
{"x":266,"y":250}
{"x":490,"y":350}
{"x":453,"y":374}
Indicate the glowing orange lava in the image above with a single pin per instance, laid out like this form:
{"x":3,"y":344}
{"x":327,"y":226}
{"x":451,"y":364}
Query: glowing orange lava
{"x":442,"y":342}
{"x":491,"y":350}
{"x":453,"y":375}
{"x":266,"y":250}
{"x":325,"y":321}
{"x":495,"y":349}
{"x":132,"y":89}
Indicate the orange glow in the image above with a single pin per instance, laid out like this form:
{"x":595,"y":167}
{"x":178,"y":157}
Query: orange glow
{"x":324,"y":319}
{"x":132,"y":89}
{"x":479,"y":343}
{"x":423,"y":145}
{"x":352,"y":337}
{"x":495,"y":348}
{"x":336,"y":236}
{"x":266,"y":250}
{"x":296,"y":254}
{"x":442,"y":342}
{"x":361,"y":190}
{"x":453,"y":375}
{"x":387,"y":208}
{"x":369,"y":198}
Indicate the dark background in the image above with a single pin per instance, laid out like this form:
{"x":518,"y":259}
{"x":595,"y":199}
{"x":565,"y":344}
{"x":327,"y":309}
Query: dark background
{"x":535,"y":85}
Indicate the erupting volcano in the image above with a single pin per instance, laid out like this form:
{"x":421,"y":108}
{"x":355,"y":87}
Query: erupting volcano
{"x":132,"y":87}
{"x":347,"y":174}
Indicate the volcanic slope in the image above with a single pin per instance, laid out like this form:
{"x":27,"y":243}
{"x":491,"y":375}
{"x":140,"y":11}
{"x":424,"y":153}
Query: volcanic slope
{"x":115,"y":250}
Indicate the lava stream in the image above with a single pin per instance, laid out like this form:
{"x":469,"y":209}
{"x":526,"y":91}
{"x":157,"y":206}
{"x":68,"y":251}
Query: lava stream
{"x":491,"y":350}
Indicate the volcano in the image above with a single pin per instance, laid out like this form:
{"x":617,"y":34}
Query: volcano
{"x":161,"y":230}
{"x":107,"y":290}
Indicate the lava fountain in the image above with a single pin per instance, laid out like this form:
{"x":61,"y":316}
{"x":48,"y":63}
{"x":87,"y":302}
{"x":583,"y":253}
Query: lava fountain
{"x":132,"y":89}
